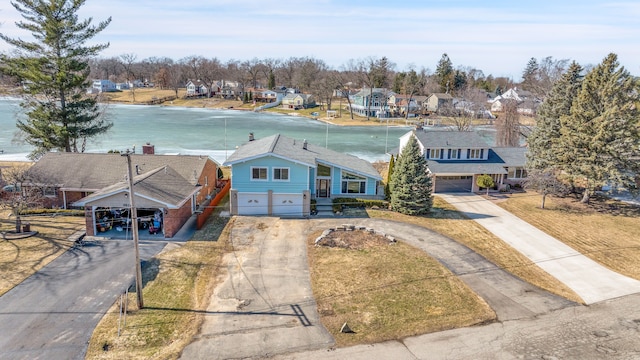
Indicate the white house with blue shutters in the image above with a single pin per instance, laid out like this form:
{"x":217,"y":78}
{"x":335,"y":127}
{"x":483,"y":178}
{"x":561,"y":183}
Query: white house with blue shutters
{"x":456,"y":158}
{"x":278,"y":175}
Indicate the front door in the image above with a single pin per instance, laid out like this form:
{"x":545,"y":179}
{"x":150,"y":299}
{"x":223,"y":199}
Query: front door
{"x":324,"y":186}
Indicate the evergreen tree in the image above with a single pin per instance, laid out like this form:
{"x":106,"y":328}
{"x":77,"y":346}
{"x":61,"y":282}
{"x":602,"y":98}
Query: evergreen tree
{"x":444,"y":73}
{"x":411,"y":182}
{"x":272,"y":80}
{"x":600,"y":139}
{"x":54,"y":69}
{"x":530,"y":74}
{"x":543,"y":140}
{"x":387,"y":188}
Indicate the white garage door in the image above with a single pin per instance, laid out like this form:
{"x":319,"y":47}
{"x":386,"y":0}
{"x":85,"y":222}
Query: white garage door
{"x":253,"y":204}
{"x":287,"y":204}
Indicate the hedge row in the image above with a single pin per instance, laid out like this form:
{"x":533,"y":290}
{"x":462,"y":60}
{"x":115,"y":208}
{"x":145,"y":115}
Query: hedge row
{"x":341,"y":203}
{"x":52,"y":212}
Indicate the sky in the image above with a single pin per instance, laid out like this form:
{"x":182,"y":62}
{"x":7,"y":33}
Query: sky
{"x":497,"y":37}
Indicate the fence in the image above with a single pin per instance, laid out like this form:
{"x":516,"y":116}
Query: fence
{"x":202,"y":217}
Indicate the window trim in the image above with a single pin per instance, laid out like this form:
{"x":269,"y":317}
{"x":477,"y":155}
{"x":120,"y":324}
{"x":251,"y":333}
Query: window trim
{"x":273,"y":174}
{"x":455,"y":153}
{"x":475,"y":154}
{"x":362,"y":188}
{"x":266,"y":173}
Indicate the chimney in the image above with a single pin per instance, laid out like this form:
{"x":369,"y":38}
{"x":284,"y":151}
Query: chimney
{"x":148,"y":149}
{"x":251,"y":138}
{"x":304,"y":144}
{"x":137,"y":169}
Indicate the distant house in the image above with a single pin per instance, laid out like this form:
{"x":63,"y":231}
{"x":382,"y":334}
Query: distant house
{"x":298,"y":101}
{"x":100,"y":86}
{"x":167,"y":187}
{"x":438,"y":101}
{"x":196,"y":88}
{"x":122,"y":86}
{"x":231,"y":90}
{"x":278,"y":175}
{"x":372,"y":102}
{"x":266,"y":96}
{"x":456,"y":158}
{"x":527,"y":104}
{"x":401,"y":104}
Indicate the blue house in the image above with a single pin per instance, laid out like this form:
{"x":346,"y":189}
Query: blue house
{"x":278,"y":175}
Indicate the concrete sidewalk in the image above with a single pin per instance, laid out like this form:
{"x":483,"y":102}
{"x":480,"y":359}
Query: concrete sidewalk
{"x":590,"y":280}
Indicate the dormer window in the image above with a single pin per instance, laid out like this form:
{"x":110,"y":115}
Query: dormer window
{"x":454,"y":154}
{"x":475,"y":153}
{"x":435,"y":153}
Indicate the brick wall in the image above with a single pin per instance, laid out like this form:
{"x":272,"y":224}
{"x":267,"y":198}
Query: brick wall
{"x":174,"y":220}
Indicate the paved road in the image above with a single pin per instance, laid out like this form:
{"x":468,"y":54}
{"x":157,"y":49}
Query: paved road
{"x":590,"y":280}
{"x":606,"y":330}
{"x":264,"y":305}
{"x":52,"y":314}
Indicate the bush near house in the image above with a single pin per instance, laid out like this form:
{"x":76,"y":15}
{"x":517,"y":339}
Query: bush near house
{"x":341,"y":203}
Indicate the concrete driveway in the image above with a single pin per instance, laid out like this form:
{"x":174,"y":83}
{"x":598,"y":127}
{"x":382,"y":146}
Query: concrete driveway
{"x":264,"y":305}
{"x":52,"y":314}
{"x":590,"y":280}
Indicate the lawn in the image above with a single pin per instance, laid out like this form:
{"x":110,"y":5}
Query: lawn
{"x":445,"y":220}
{"x":20,"y":258}
{"x":606,"y":231}
{"x":387,"y":292}
{"x":179,"y":283}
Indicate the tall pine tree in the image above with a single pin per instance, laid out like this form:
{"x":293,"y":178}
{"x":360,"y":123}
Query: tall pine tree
{"x":543,"y":141}
{"x":411,"y":182}
{"x":600,"y":139}
{"x":54,"y":69}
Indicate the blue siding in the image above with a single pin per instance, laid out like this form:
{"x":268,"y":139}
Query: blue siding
{"x":298,"y":176}
{"x":312,"y":181}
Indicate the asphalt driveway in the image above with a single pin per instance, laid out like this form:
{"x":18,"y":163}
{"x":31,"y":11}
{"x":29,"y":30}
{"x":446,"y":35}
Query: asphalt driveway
{"x":52,"y":314}
{"x":587,"y":278}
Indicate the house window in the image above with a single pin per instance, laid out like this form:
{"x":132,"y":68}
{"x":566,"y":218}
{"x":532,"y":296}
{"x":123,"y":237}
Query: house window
{"x":454,"y":154}
{"x":474,"y":153}
{"x":259,"y":173}
{"x":50,"y":191}
{"x":324,"y":170}
{"x":435,"y":153}
{"x":353,"y":184}
{"x":281,"y":174}
{"x":517,"y":173}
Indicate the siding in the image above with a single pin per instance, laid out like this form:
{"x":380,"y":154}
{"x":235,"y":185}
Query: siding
{"x":298,"y":176}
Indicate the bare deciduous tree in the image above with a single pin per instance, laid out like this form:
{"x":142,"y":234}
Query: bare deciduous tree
{"x":508,"y":125}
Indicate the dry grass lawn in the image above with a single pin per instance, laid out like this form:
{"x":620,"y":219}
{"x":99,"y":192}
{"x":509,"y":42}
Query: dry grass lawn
{"x":178,"y":285}
{"x":445,"y":220}
{"x":20,"y":258}
{"x":387,"y":291}
{"x":606,"y":231}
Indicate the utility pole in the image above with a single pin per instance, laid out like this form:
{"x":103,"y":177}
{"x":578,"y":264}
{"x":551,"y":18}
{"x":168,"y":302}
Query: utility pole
{"x":134,"y":229}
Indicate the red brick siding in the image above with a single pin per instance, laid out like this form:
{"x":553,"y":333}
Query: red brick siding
{"x":88,"y":219}
{"x":175,"y":218}
{"x":208,"y":179}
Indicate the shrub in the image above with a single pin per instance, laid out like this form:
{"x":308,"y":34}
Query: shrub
{"x":341,"y":203}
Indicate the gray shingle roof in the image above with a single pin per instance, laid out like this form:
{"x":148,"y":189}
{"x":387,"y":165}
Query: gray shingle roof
{"x":495,"y":164}
{"x":163,"y":185}
{"x":292,"y":149}
{"x":91,"y":172}
{"x":450,"y":139}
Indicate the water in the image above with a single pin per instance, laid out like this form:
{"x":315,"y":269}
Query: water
{"x":216,"y":133}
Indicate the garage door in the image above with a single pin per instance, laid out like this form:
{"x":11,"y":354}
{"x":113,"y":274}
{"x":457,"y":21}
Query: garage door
{"x":453,"y":184}
{"x":287,"y":204}
{"x":253,"y":204}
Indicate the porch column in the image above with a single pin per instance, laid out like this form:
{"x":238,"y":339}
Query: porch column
{"x":270,"y":202}
{"x":306,"y":203}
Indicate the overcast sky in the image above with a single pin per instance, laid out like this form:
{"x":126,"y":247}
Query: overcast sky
{"x":497,"y":37}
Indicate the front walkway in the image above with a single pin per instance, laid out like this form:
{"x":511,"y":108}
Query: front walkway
{"x":590,"y":280}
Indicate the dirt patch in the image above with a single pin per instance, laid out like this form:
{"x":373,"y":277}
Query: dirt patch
{"x":354,"y":240}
